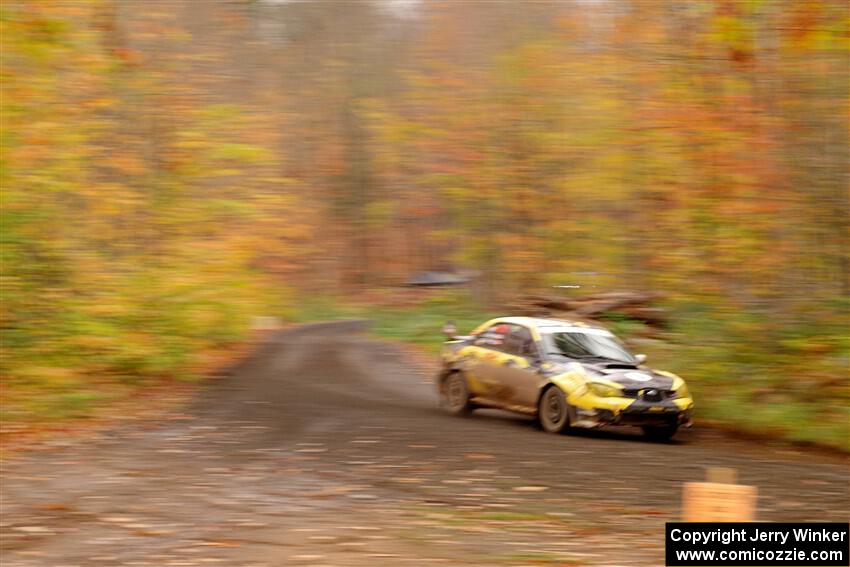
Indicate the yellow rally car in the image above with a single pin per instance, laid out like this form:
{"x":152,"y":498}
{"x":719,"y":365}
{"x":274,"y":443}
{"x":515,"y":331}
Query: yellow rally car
{"x":568,"y":374}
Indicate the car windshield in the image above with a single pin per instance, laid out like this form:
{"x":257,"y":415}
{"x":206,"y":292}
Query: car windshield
{"x":579,"y":344}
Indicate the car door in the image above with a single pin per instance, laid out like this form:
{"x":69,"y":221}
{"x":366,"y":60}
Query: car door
{"x":484,"y":363}
{"x":519,"y":369}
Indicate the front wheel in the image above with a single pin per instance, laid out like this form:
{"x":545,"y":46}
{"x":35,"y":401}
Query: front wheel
{"x":455,"y":395}
{"x":660,"y":433}
{"x":553,"y":411}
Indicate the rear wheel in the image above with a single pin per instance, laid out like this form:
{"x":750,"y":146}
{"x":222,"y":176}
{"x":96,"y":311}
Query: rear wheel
{"x":660,"y":432}
{"x":456,"y":395}
{"x":553,"y":411}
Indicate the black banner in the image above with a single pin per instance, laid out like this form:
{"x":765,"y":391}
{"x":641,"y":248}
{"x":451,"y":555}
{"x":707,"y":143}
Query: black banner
{"x":762,"y":544}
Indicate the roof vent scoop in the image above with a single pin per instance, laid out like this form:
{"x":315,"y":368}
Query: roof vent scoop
{"x":620,"y":366}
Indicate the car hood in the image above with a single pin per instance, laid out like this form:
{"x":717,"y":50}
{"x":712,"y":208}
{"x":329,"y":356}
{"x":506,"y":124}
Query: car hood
{"x":630,"y":377}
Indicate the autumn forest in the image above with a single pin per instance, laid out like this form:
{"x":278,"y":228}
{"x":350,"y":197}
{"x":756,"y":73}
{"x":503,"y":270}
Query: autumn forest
{"x":172,"y":169}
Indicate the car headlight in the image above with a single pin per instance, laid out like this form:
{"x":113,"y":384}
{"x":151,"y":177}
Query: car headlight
{"x":682,"y":392}
{"x":604,"y":390}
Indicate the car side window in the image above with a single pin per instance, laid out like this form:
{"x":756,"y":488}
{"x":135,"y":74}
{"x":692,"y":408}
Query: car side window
{"x":494,"y":337}
{"x":520,"y":342}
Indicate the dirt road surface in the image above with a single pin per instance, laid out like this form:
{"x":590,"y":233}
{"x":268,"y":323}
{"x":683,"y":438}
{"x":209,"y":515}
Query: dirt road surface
{"x":327,"y":448}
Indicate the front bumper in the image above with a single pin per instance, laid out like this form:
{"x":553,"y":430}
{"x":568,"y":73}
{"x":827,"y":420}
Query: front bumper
{"x":647,"y":413}
{"x":639,"y":412}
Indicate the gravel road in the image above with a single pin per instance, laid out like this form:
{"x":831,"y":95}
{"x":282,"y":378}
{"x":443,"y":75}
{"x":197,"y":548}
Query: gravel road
{"x":327,"y":448}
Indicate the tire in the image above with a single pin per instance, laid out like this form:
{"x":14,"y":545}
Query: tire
{"x":660,"y":433}
{"x":553,"y":411}
{"x":455,"y":395}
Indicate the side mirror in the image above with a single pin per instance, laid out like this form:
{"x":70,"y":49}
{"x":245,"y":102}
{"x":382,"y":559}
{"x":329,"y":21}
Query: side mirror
{"x":641,"y":358}
{"x":450,"y":330}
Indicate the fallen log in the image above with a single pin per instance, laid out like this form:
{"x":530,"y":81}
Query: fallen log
{"x":655,"y":316}
{"x":629,"y":304}
{"x":550,"y":302}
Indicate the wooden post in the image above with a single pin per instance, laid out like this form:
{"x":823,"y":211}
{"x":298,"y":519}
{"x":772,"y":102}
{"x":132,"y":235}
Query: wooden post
{"x":719,"y":499}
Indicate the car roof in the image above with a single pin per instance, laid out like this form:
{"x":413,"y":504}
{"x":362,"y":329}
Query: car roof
{"x":548,"y":325}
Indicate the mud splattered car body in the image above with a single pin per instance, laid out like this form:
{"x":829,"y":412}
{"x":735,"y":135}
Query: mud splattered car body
{"x":568,"y":374}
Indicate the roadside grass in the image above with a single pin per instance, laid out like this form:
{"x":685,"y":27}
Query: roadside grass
{"x":417,"y":320}
{"x":422,"y":323}
{"x":68,"y":403}
{"x":324,"y":308}
{"x":67,"y":357}
{"x":757,"y":376}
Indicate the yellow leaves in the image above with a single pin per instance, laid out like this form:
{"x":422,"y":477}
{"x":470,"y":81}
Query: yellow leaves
{"x":731,"y":30}
{"x":46,"y":376}
{"x":192,"y":141}
{"x":96,"y":343}
{"x":237,"y":152}
{"x":128,"y":163}
{"x":519,"y":256}
{"x":455,"y":193}
{"x":99,"y":103}
{"x":379,"y":213}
